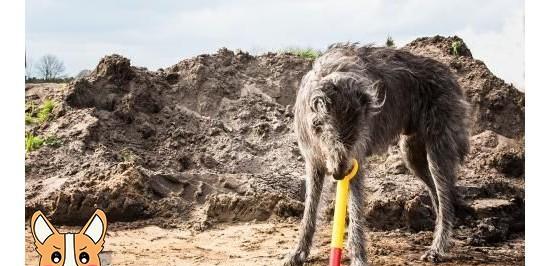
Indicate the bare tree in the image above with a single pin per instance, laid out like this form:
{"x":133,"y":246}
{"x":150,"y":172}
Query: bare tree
{"x":50,"y":67}
{"x":28,"y":67}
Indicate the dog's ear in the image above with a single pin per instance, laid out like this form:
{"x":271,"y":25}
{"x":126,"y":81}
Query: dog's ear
{"x":377,"y":101}
{"x":41,"y":228}
{"x":96,"y":227}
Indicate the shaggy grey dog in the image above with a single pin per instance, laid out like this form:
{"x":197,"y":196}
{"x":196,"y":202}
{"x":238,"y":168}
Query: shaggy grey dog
{"x":358,"y":100}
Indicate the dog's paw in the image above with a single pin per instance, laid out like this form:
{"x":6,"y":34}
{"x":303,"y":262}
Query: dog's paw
{"x":432,"y":256}
{"x":358,"y":263}
{"x":295,"y":259}
{"x":358,"y":259}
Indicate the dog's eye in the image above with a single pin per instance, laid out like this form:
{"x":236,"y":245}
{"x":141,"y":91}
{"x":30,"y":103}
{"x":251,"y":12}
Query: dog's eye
{"x":84,"y":257}
{"x":56,"y":257}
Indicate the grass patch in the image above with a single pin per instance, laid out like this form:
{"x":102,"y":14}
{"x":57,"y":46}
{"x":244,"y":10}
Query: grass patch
{"x":53,"y":141}
{"x":306,"y":53}
{"x":455,"y":47}
{"x":390,"y":42}
{"x":39,"y":115}
{"x":45,"y":111}
{"x":29,"y":119}
{"x":29,"y":111}
{"x":33,"y":142}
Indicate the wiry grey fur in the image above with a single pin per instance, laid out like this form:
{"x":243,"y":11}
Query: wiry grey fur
{"x":358,"y":100}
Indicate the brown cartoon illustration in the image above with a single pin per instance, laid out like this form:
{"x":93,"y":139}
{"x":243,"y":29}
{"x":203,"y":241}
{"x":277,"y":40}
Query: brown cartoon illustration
{"x":69,"y":249}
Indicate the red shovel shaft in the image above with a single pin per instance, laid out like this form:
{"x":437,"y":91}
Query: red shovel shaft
{"x":335,"y":256}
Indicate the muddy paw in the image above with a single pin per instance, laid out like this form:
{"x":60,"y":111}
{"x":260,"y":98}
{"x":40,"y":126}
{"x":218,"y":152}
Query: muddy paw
{"x":432,"y":256}
{"x":295,"y":259}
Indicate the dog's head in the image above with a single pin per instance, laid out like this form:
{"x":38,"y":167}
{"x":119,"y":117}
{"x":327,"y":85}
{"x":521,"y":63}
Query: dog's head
{"x":341,"y":107}
{"x":80,"y":249}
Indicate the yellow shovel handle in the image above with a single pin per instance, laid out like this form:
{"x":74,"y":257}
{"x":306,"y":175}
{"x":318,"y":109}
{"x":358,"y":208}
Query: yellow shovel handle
{"x":340,"y":208}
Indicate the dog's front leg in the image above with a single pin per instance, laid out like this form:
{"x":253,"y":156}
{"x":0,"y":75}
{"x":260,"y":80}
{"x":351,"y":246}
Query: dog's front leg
{"x":356,"y":232}
{"x":314,"y":185}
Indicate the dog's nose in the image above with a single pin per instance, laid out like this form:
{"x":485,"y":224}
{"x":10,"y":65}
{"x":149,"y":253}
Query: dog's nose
{"x":343,"y":168}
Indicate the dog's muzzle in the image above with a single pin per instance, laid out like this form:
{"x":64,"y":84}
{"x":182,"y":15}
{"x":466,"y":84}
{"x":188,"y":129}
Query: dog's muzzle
{"x":344,"y":167}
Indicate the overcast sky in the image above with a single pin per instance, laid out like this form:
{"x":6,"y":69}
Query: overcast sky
{"x":159,"y":33}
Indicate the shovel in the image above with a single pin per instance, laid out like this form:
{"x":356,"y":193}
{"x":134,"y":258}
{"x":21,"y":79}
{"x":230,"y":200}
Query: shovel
{"x":340,"y":209}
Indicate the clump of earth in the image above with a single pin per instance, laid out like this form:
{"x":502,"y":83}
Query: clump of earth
{"x":208,"y":143}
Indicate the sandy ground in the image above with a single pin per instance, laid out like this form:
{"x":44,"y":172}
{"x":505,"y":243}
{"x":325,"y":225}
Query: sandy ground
{"x":266,"y":243}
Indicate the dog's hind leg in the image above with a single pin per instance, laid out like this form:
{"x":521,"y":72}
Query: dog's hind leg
{"x":443,"y":161}
{"x":356,"y":231}
{"x":413,"y":150}
{"x":315,"y":176}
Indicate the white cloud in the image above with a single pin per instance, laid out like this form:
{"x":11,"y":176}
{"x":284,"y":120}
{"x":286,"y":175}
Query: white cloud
{"x":501,"y":50}
{"x":161,"y":33}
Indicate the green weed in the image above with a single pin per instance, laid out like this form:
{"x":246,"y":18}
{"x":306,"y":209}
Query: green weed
{"x":306,"y":53}
{"x":455,"y":47}
{"x":53,"y":141}
{"x":33,"y":142}
{"x":29,"y":119}
{"x":390,"y":42}
{"x":31,"y":107}
{"x":29,"y":111}
{"x":45,"y":111}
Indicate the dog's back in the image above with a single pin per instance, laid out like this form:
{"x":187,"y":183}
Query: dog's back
{"x":418,"y":93}
{"x":421,"y":91}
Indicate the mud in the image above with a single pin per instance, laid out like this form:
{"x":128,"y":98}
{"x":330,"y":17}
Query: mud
{"x":208,"y":142}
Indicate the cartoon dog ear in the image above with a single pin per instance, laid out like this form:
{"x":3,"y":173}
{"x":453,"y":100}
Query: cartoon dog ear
{"x":96,"y":227}
{"x":41,"y":228}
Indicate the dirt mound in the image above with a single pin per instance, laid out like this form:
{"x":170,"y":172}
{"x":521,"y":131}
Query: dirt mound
{"x":209,"y":134}
{"x":497,"y":106}
{"x":210,"y":140}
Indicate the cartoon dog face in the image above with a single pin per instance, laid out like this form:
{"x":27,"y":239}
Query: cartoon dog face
{"x":81,"y":249}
